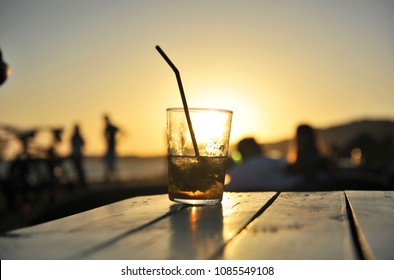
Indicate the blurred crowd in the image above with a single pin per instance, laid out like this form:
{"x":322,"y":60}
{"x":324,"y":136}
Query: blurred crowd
{"x":306,"y":168}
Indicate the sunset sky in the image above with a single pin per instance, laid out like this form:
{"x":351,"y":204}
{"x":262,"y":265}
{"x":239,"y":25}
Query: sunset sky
{"x":274,"y":63}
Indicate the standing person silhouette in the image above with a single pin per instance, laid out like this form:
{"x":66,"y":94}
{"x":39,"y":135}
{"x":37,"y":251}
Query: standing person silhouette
{"x":110,"y":156}
{"x":53,"y":156}
{"x":77,"y":144}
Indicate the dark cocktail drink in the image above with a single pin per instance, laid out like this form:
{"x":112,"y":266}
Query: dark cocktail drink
{"x":196,"y":179}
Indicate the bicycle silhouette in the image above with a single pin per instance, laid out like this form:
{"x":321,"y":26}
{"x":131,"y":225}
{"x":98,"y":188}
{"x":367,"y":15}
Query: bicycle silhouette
{"x":31,"y":179}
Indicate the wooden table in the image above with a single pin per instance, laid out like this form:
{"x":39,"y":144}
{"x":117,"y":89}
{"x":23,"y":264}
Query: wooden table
{"x":262,"y":225}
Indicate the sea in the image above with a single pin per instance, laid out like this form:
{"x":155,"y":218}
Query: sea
{"x":127,"y":168}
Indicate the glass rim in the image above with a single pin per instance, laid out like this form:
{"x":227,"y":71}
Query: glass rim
{"x":178,"y":109}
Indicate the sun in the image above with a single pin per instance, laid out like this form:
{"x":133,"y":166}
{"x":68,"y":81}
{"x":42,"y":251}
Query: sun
{"x":248,"y":116}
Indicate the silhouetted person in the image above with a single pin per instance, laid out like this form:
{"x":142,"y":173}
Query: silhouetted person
{"x":54,"y":159}
{"x":110,"y":133}
{"x":77,"y":144}
{"x":25,"y":139}
{"x":258,"y":172}
{"x":56,"y":140}
{"x":249,"y":148}
{"x":4,"y":69}
{"x":306,"y":159}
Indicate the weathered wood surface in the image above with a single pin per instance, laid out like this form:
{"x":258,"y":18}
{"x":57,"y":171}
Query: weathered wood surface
{"x":297,"y":226}
{"x":193,"y":233}
{"x":65,"y":237}
{"x":374,"y":212}
{"x":105,"y":229}
{"x":321,"y":225}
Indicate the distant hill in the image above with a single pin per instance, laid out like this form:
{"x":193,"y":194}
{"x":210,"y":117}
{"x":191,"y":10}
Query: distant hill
{"x":340,"y":135}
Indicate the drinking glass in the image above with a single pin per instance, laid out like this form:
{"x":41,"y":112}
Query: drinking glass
{"x":197,"y":179}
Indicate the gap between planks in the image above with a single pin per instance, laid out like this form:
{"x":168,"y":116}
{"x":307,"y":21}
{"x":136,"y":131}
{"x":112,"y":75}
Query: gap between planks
{"x":115,"y":239}
{"x":250,"y":221}
{"x":361,"y":244}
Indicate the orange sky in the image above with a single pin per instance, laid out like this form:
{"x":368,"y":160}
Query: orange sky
{"x":274,"y":63}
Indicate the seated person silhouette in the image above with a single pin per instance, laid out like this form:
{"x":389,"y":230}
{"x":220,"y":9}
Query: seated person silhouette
{"x":307,"y":160}
{"x":258,"y":172}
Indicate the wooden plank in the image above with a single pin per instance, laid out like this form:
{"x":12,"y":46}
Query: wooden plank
{"x":297,"y":226}
{"x":68,"y":236}
{"x":374,"y":212}
{"x":193,"y":233}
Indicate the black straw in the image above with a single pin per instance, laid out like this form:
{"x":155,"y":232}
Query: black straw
{"x":186,"y":108}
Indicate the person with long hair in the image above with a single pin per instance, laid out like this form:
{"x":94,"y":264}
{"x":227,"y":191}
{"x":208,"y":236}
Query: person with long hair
{"x":305,"y":158}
